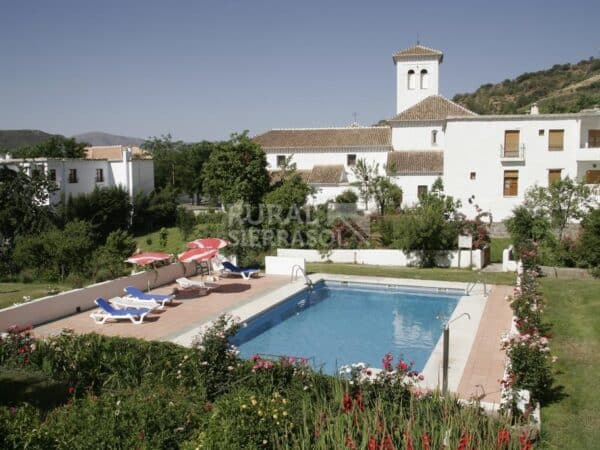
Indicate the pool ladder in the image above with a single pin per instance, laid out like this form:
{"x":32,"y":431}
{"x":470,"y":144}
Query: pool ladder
{"x":471,"y":286}
{"x":297,"y":268}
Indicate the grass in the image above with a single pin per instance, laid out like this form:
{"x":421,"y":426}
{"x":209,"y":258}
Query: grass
{"x":14,"y":292}
{"x":573,"y":310}
{"x":498,"y":245}
{"x":464,"y":275}
{"x":175,"y":242}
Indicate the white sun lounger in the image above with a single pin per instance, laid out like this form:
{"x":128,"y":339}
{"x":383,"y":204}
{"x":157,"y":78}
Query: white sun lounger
{"x":132,"y":302}
{"x":107,"y":311}
{"x":186,"y":283}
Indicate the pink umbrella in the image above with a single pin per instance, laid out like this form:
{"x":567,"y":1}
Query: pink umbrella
{"x":208,"y":243}
{"x":141,"y":259}
{"x":197,"y":255}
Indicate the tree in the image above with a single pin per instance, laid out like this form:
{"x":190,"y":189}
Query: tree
{"x":429,"y":227}
{"x":387,"y":195}
{"x":109,"y":260}
{"x":365,"y":176}
{"x":562,"y":202}
{"x":185,"y":222}
{"x":527,"y":225}
{"x":55,"y":147}
{"x":588,"y":247}
{"x":155,"y":210}
{"x":105,"y":209}
{"x":23,"y":209}
{"x":348,"y":196}
{"x":236,"y":171}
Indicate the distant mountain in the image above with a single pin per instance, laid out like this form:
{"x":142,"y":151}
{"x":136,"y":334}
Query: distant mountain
{"x":14,"y":139}
{"x":562,"y":88}
{"x":99,"y":138}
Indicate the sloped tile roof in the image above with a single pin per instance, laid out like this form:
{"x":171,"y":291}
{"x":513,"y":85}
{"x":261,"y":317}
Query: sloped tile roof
{"x":113,"y":152}
{"x":417,"y":50}
{"x":276,"y":175}
{"x":415,"y":162}
{"x":315,"y":139}
{"x":327,"y":174}
{"x":432,"y":108}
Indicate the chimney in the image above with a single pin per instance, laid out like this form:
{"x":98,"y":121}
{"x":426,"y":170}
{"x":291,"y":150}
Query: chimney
{"x":534,"y":109}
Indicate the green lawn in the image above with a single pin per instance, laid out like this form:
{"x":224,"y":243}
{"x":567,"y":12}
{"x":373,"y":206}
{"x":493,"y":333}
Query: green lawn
{"x":574,"y":311}
{"x":14,"y":292}
{"x":498,"y":245}
{"x":464,"y":275}
{"x":175,"y":243}
{"x":572,"y":421}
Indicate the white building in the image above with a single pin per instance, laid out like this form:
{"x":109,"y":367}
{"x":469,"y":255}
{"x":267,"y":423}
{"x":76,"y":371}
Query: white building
{"x":102,"y":167}
{"x":492,"y":160}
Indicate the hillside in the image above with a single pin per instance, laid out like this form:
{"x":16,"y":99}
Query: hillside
{"x":562,"y":88}
{"x":13,"y":139}
{"x":100,"y":138}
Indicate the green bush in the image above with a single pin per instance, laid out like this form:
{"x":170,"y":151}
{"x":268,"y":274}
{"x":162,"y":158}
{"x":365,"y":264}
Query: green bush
{"x":588,"y":247}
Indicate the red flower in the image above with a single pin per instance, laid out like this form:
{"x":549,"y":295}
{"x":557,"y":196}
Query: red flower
{"x":372,"y":445}
{"x":464,"y":442}
{"x":350,"y":443}
{"x":359,"y":402}
{"x":409,"y":442}
{"x":402,"y":366}
{"x":347,"y":403}
{"x":71,"y":390}
{"x":387,"y":443}
{"x":503,"y":438}
{"x":425,"y":441}
{"x":525,"y":442}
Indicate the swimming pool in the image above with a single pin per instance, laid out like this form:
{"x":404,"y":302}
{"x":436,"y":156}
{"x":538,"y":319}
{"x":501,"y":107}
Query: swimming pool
{"x":339,"y":323}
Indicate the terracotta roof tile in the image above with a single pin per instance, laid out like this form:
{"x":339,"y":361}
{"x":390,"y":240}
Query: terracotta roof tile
{"x":327,"y":174}
{"x":432,"y":108}
{"x":417,"y":50}
{"x":113,"y":152}
{"x":315,"y":139}
{"x":276,"y":175}
{"x":413,"y":162}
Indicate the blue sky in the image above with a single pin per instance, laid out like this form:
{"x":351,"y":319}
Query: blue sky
{"x":204,"y":69}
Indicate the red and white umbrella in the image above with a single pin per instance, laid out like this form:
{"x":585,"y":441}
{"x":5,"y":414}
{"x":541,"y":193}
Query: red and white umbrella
{"x":197,"y":255}
{"x":141,"y":259}
{"x":208,"y":243}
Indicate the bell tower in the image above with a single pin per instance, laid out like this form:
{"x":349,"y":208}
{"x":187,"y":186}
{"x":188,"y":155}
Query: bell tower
{"x":417,"y":75}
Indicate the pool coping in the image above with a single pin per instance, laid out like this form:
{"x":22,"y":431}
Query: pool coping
{"x":462,"y":332}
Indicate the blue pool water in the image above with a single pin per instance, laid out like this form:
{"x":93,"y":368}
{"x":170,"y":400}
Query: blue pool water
{"x":340,"y":323}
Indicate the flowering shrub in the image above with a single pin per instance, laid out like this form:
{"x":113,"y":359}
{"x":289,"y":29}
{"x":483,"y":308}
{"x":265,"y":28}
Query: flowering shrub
{"x":16,"y":346}
{"x":218,"y":358}
{"x":528,"y":346}
{"x":245,"y":419}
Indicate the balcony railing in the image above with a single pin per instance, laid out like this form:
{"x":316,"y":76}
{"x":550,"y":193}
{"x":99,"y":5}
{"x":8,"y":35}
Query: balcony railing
{"x":512,"y":153}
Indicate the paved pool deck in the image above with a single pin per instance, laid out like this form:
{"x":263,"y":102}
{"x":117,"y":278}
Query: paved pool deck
{"x":183,"y":314}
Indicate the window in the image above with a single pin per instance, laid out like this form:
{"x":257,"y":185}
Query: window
{"x":351,"y":160}
{"x":421,"y":191}
{"x":553,"y":176}
{"x":594,"y":138}
{"x":434,"y":137}
{"x":73,"y":176}
{"x":511,"y":143}
{"x":99,"y":175}
{"x":280,"y":160}
{"x":52,"y":174}
{"x":556,"y":140}
{"x":424,"y":79}
{"x":592,"y":177}
{"x":411,"y":79}
{"x":473,"y":175}
{"x":511,"y":183}
{"x":541,"y":132}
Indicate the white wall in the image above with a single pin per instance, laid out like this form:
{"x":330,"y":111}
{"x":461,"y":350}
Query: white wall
{"x":86,"y":176}
{"x":143,"y":175}
{"x":282,"y":265}
{"x":409,"y":97}
{"x":384,"y":257}
{"x":417,"y":135}
{"x":54,"y":307}
{"x":475,"y":145}
{"x":410,"y":184}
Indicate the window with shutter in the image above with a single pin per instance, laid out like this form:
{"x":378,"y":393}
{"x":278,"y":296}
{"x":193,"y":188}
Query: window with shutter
{"x":511,"y":143}
{"x":594,"y":138}
{"x":511,"y":183}
{"x":556,"y":140}
{"x":592,"y":177}
{"x":553,"y":176}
